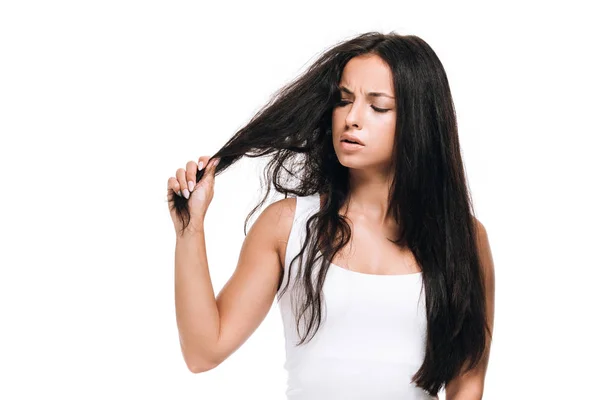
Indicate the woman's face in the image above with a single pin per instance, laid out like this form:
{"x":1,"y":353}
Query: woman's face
{"x":371,"y":118}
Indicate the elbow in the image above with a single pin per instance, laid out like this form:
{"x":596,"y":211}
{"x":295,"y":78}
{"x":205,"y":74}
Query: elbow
{"x":199,"y":360}
{"x":197,"y":363}
{"x":200,"y":369}
{"x":466,"y":394}
{"x":200,"y":366}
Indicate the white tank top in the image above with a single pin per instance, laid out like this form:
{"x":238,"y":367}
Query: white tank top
{"x":372,"y":336}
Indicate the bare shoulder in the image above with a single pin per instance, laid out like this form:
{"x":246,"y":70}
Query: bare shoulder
{"x":481,"y":236}
{"x":479,"y":226}
{"x":278,"y":217}
{"x":282,"y":209}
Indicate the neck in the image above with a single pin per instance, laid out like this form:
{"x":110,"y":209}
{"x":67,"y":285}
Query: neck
{"x":369,"y":196}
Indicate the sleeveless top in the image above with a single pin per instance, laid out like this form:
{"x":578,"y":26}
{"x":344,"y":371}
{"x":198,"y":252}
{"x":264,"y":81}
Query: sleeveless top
{"x":372,"y":335}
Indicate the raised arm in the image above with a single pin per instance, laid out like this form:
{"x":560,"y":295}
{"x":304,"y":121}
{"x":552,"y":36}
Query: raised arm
{"x":213,"y":329}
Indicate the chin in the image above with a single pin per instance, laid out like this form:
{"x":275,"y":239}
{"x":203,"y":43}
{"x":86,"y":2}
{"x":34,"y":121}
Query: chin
{"x":354,"y":161}
{"x":349,"y":161}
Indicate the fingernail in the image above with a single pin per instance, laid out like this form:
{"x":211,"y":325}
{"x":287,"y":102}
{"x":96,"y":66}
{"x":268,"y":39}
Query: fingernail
{"x":200,"y":165}
{"x":191,"y":185}
{"x":186,"y":193}
{"x":217,"y":162}
{"x":179,"y":193}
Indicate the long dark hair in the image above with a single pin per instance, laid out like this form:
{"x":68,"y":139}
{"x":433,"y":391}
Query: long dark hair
{"x":429,"y":193}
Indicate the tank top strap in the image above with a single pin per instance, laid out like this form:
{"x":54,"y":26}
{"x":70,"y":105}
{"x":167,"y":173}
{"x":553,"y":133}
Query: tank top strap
{"x":305,"y":207}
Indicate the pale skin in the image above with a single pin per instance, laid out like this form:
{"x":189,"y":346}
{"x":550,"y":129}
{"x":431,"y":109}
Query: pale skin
{"x":248,"y":295}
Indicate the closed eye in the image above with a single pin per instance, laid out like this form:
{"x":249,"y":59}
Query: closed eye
{"x":343,"y":103}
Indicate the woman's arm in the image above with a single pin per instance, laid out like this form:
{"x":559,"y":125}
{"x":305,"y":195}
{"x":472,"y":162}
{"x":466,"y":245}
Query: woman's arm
{"x":210,"y":329}
{"x":195,"y":305}
{"x":469,"y":386}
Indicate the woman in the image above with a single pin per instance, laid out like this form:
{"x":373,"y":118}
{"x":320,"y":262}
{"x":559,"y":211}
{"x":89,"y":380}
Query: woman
{"x":393,"y":274}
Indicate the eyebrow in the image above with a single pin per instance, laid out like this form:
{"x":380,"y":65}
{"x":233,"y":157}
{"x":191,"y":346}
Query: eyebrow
{"x":370,"y":94}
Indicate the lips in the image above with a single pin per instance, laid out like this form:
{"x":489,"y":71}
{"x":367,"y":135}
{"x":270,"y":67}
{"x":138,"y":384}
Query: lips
{"x":351,"y":139}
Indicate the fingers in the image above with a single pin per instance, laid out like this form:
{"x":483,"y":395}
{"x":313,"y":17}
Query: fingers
{"x":184,"y":182}
{"x":209,"y":175}
{"x":203,"y":160}
{"x":173,"y":184}
{"x":191,"y":168}
{"x":181,"y":179}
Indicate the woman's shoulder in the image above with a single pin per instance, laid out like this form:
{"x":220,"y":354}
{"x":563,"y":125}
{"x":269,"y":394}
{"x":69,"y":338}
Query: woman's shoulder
{"x":289,"y":207}
{"x":279,"y":216}
{"x":281,"y":209}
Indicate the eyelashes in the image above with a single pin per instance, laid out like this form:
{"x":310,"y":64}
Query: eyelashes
{"x":343,"y":103}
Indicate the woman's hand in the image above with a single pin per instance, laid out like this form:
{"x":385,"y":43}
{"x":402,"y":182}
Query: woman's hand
{"x":199,"y":194}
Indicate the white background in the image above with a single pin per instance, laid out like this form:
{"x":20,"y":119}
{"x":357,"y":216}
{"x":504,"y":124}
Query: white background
{"x":100,"y":103}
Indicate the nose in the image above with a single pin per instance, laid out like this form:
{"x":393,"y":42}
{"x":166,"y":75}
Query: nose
{"x":354,"y":117}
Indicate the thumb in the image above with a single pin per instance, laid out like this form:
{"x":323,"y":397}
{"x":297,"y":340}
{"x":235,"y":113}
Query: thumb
{"x":213,"y":166}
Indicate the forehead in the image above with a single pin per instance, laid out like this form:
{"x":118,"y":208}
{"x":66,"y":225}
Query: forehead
{"x":367,"y":73}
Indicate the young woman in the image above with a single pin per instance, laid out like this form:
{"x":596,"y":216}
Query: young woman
{"x":392,"y":273}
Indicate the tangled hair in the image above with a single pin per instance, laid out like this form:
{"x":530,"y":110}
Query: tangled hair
{"x":429,"y":192}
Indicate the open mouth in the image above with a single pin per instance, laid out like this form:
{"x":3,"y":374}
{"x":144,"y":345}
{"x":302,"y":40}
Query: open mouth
{"x":350,"y":141}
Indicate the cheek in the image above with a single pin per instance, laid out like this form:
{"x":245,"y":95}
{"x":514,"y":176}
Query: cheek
{"x":385,"y":127}
{"x":387,"y":123}
{"x":389,"y":131}
{"x":386,"y":133}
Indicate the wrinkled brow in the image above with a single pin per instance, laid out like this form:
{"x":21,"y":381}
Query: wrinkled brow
{"x":370,"y":94}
